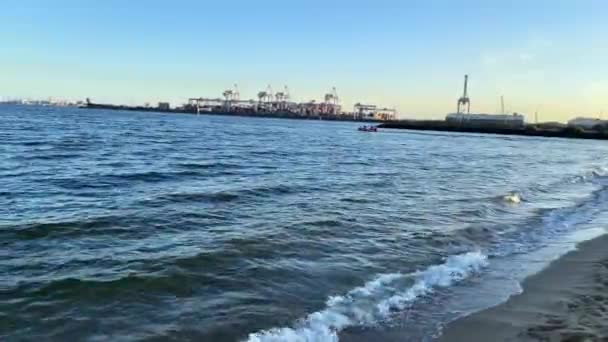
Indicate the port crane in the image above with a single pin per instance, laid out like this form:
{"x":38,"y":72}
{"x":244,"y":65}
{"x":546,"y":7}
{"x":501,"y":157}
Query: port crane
{"x":464,"y":100}
{"x":231,"y":96}
{"x":265,"y":98}
{"x":281,"y":103}
{"x":361,"y":110}
{"x":369,"y":111}
{"x":282,"y":96}
{"x":331,"y":105}
{"x":282,"y":99}
{"x":332,"y":97}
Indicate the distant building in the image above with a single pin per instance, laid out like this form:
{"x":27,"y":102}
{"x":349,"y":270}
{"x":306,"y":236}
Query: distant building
{"x":386,"y":114}
{"x":309,"y":108}
{"x":587,"y":123}
{"x":320,"y":109}
{"x":487,"y":120}
{"x":372,"y":112}
{"x":164,"y":106}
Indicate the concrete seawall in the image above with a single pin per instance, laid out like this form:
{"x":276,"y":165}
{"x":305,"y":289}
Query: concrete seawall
{"x":528,"y":130}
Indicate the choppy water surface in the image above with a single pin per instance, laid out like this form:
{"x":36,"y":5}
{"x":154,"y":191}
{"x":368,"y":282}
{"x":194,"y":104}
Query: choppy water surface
{"x":149,"y":227}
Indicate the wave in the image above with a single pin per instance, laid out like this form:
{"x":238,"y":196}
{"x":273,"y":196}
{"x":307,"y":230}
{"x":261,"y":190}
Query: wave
{"x":597,"y":175}
{"x":265,"y":191}
{"x":152,"y":176}
{"x":593,"y":175}
{"x":32,"y":143}
{"x":113,"y":180}
{"x":210,"y":197}
{"x":81,"y":183}
{"x":87,"y":226}
{"x":269,"y":191}
{"x":375,"y":301}
{"x":50,"y":156}
{"x":546,"y":225}
{"x":223,"y":196}
{"x":178,"y":285}
{"x":323,"y":223}
{"x":495,"y":226}
{"x":212,"y":165}
{"x":563,"y":219}
{"x":355,"y":200}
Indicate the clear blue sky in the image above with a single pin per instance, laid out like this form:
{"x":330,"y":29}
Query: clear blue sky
{"x":547,"y":54}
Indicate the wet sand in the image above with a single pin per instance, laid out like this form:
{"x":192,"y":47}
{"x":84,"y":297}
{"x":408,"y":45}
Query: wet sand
{"x":568,"y":301}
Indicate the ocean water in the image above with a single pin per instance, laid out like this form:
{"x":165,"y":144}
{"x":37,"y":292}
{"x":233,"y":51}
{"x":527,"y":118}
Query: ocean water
{"x":123,"y":226}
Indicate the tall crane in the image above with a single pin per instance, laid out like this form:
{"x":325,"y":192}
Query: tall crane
{"x":464,"y":100}
{"x":266,"y":96}
{"x":270,"y":93}
{"x":364,"y":110}
{"x":281,"y":98}
{"x":236,"y":95}
{"x":331,"y":104}
{"x":332,"y":97}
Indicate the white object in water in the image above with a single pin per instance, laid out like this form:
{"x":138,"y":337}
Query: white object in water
{"x":512,"y":198}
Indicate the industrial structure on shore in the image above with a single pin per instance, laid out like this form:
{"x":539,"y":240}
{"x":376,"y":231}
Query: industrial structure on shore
{"x":467,"y":119}
{"x":268,"y":104}
{"x":280,"y":103}
{"x":588,"y":123}
{"x":463,"y":121}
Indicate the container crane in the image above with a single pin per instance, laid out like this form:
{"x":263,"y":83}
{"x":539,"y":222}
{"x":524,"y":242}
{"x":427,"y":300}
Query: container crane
{"x":464,"y":100}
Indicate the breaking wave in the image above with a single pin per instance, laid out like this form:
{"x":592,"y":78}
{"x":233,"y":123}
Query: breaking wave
{"x":375,"y":301}
{"x":594,"y":175}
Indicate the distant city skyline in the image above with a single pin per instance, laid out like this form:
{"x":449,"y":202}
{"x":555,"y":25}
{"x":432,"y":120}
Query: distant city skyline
{"x":545,"y":56}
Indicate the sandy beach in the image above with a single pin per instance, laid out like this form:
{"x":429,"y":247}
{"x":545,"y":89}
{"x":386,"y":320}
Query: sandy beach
{"x":568,"y":301}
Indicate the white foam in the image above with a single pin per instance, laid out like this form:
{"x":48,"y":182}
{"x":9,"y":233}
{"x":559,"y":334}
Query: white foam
{"x":455,"y":269}
{"x":600,"y":171}
{"x":595,"y":175}
{"x":513,"y":198}
{"x":374,"y":301}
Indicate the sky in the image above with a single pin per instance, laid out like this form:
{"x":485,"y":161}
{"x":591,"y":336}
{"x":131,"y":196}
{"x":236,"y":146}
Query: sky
{"x":549,"y":56}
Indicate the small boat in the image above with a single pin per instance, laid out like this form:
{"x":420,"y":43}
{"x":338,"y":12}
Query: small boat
{"x":368,"y":129}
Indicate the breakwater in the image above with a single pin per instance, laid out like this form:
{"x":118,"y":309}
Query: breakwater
{"x":528,"y":130}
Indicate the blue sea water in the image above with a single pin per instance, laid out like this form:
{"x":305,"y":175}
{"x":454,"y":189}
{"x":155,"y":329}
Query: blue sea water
{"x":126,"y":226}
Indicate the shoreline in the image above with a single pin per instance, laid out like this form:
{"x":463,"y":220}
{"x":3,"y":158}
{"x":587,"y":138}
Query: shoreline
{"x":270,"y":115}
{"x":567,"y":301}
{"x":419,"y":125}
{"x":530,"y":130}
